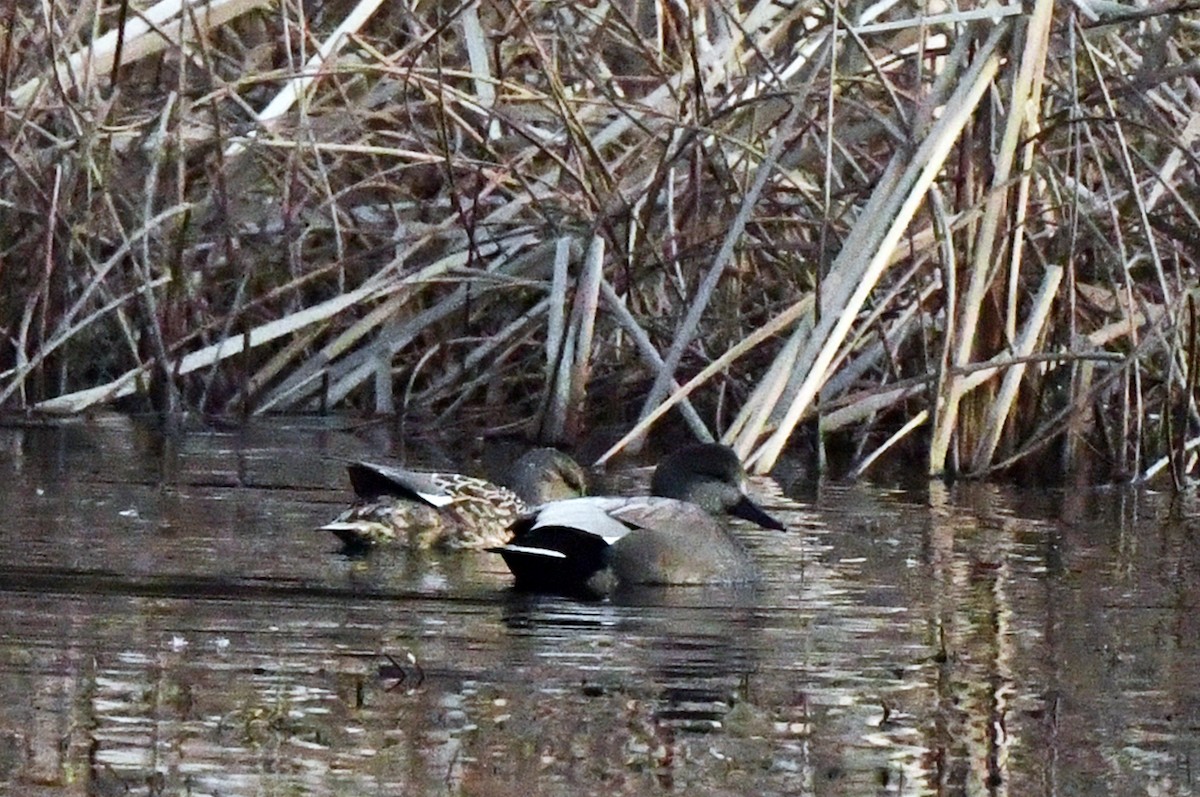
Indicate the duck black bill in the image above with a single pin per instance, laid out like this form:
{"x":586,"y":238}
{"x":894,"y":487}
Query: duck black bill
{"x":748,"y":510}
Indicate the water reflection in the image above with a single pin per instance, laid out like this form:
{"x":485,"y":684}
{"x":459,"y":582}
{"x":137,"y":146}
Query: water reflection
{"x":170,"y":624}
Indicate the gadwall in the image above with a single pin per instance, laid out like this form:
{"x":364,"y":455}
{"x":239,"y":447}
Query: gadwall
{"x":450,"y":510}
{"x":594,"y":545}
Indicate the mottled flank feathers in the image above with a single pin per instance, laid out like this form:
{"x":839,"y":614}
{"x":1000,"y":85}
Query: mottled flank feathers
{"x":450,"y":510}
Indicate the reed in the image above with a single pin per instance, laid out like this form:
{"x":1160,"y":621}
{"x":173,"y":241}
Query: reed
{"x":952,"y":239}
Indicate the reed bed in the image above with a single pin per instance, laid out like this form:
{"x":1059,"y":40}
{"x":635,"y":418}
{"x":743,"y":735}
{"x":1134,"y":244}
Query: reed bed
{"x":960,"y":238}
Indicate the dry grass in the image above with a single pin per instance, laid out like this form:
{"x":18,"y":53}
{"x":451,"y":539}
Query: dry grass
{"x":964,"y":238}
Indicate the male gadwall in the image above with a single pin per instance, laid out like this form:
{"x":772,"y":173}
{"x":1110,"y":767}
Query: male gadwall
{"x":593,"y":545}
{"x":450,"y":510}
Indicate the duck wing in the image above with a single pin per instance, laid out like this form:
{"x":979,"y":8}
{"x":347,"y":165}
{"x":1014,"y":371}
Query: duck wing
{"x":561,"y":546}
{"x":665,"y":516}
{"x":372,"y":481}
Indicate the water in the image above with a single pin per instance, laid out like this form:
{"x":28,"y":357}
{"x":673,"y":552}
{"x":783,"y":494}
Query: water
{"x":171,"y":624}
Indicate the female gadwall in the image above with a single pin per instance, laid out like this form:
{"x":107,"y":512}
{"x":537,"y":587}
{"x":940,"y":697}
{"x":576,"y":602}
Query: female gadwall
{"x":593,"y":545}
{"x":450,"y":510}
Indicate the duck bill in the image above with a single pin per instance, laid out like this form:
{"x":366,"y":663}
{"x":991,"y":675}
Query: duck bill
{"x":748,"y":510}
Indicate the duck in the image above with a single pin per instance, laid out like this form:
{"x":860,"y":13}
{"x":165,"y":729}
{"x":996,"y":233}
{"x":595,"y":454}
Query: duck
{"x":596,"y":545}
{"x":425,"y":510}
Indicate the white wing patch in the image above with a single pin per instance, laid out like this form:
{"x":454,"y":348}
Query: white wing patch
{"x":436,"y":499}
{"x":545,"y":552}
{"x":340,"y":525}
{"x":589,"y":515}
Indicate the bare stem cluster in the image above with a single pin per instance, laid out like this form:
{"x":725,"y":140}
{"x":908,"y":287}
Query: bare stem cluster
{"x":961,"y":237}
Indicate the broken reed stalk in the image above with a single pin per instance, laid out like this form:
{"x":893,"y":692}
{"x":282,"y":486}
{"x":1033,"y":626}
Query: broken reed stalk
{"x":570,"y":380}
{"x":998,"y":411}
{"x":553,"y":410}
{"x":864,"y":256}
{"x":690,"y":323}
{"x":981,"y":270}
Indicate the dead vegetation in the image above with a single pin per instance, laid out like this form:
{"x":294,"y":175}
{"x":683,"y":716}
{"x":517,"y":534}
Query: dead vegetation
{"x":967,"y":238}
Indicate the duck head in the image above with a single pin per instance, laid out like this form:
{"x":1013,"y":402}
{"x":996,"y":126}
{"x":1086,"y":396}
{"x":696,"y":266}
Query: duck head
{"x":711,"y":476}
{"x":547,"y":474}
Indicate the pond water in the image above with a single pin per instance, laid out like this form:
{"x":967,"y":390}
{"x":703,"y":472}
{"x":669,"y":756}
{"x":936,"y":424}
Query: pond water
{"x":171,"y":623}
